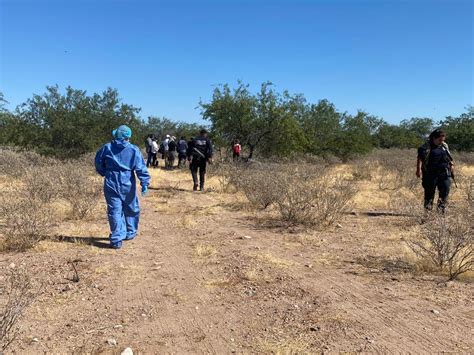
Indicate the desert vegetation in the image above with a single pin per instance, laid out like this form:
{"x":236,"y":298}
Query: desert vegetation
{"x":268,"y":123}
{"x":317,"y":194}
{"x":39,"y":192}
{"x":268,"y":235}
{"x":318,"y":221}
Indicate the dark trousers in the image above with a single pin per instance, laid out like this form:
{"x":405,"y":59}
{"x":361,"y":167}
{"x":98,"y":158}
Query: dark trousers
{"x":182,"y":160}
{"x":149,"y":159}
{"x":235,"y":156}
{"x":430,"y":182}
{"x":170,"y":159}
{"x":154,"y":160}
{"x":195,"y":165}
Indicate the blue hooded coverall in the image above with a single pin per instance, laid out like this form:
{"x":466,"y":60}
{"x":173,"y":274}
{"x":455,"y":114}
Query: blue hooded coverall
{"x":119,"y":161}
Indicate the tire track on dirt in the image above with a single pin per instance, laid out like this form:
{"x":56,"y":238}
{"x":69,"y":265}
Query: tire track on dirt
{"x":178,"y":264}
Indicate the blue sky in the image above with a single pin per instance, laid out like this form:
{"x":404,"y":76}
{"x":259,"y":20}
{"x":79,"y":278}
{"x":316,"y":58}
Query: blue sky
{"x":394,"y":59}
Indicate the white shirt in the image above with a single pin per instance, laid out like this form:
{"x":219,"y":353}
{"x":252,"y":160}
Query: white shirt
{"x":165,"y":144}
{"x":154,"y":147}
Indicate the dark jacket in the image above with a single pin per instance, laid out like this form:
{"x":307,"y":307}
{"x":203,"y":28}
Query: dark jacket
{"x":182,"y":147}
{"x":200,"y":148}
{"x":436,"y":159}
{"x":172,"y":146}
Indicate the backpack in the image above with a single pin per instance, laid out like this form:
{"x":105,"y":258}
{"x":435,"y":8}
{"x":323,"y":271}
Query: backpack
{"x":427,"y":150}
{"x":172,"y":146}
{"x":161,"y":150}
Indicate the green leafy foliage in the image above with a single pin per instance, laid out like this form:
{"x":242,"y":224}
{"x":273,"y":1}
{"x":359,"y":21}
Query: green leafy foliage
{"x":267,"y":123}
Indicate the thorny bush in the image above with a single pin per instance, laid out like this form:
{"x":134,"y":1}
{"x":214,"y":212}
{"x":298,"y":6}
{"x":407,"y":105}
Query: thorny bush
{"x":303,"y":194}
{"x":27,"y":216}
{"x":20,"y":295}
{"x":447,"y":240}
{"x":313,"y":198}
{"x":257,"y":185}
{"x":27,"y":199}
{"x":80,"y":189}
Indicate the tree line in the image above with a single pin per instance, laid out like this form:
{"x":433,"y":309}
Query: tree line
{"x":267,"y":123}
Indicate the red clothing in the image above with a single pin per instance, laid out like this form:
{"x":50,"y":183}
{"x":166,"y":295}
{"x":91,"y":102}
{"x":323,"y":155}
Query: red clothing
{"x":237,"y":148}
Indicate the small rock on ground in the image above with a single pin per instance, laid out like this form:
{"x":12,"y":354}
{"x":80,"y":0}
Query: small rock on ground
{"x":127,"y":351}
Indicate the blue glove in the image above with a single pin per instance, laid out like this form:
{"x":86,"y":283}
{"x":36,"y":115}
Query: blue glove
{"x":144,"y":190}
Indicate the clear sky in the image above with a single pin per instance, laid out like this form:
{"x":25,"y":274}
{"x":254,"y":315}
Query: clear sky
{"x":394,"y":59}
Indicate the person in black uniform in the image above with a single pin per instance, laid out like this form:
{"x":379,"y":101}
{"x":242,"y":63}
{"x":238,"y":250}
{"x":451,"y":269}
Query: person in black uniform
{"x":199,"y":154}
{"x":435,"y":166}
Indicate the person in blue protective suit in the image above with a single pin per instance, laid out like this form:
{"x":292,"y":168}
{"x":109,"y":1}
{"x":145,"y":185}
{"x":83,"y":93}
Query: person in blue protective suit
{"x":119,"y":161}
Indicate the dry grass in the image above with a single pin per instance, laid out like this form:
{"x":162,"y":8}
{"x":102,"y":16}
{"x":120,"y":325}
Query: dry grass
{"x":187,"y":222}
{"x":273,"y":260}
{"x":205,"y":251}
{"x":285,"y":347}
{"x":218,"y":283}
{"x":257,"y":275}
{"x":175,"y":294}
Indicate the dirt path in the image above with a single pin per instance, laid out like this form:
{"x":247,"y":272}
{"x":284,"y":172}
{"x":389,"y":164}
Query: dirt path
{"x":205,"y":277}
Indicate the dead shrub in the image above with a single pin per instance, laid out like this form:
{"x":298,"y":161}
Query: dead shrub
{"x":14,"y":162}
{"x":312,"y":198}
{"x":257,"y":186}
{"x":227,"y":174}
{"x":396,"y":169}
{"x":19,"y":297}
{"x":447,"y":240}
{"x":362,"y":170}
{"x":26,"y":205}
{"x":81,"y":190}
{"x":41,"y":183}
{"x":464,"y":157}
{"x":468,"y":189}
{"x":26,"y":221}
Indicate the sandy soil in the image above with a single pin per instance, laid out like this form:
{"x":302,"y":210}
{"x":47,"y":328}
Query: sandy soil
{"x":206,"y":275}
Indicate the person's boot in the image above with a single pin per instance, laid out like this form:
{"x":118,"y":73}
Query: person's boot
{"x":428,"y":205}
{"x":201,"y":187}
{"x":195,"y":188}
{"x":441,"y":206}
{"x":116,"y":245}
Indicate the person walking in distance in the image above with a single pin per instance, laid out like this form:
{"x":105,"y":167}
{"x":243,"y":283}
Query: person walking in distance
{"x":165,"y":147}
{"x":199,"y":154}
{"x":435,"y":167}
{"x":171,"y":152}
{"x":154,"y":151}
{"x":148,"y":146}
{"x":182,"y":151}
{"x":236,"y":149}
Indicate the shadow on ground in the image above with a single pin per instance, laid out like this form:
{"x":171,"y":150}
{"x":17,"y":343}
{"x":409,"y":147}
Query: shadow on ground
{"x":99,"y":242}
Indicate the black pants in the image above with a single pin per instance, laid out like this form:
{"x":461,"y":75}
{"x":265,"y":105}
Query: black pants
{"x":430,"y":182}
{"x":198,"y":164}
{"x":182,"y":160}
{"x":170,"y":159}
{"x":149,"y":159}
{"x":154,"y":160}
